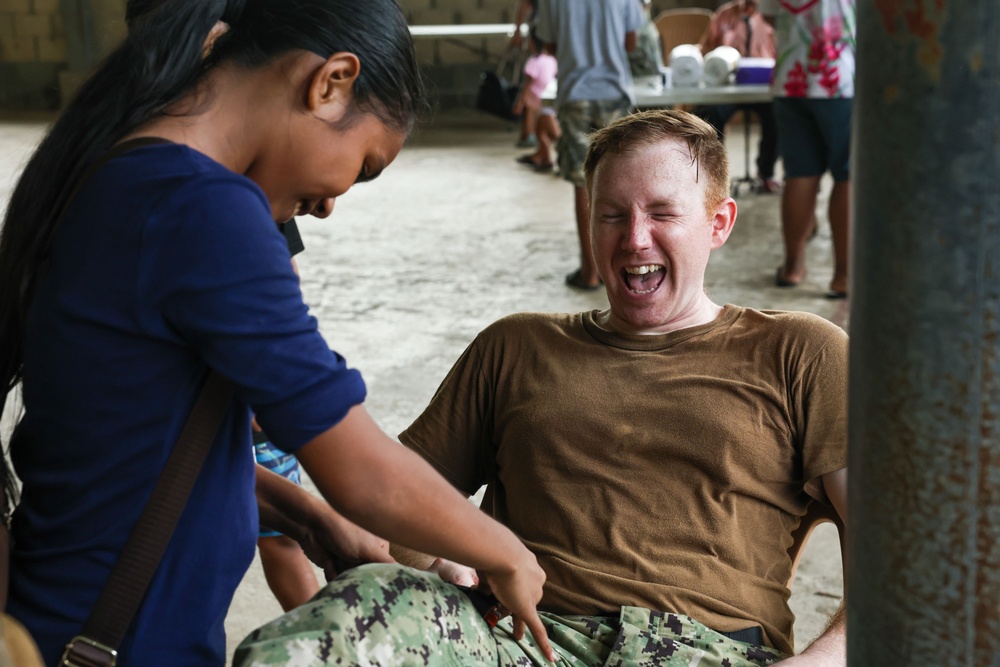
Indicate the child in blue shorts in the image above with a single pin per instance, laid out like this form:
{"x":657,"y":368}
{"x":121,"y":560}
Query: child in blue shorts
{"x":288,"y":572}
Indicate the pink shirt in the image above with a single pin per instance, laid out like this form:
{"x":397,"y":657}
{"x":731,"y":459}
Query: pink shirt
{"x":541,"y":69}
{"x":728,"y":28}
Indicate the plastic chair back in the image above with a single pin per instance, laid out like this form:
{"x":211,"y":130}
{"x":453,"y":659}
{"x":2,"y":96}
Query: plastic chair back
{"x":681,"y":26}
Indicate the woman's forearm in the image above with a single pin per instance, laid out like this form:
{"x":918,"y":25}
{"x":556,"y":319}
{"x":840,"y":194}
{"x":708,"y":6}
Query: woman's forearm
{"x":390,"y":490}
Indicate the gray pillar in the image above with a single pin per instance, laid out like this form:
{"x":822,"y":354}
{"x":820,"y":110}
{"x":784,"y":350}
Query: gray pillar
{"x":924,"y":552}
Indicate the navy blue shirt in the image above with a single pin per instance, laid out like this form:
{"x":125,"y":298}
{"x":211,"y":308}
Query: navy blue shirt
{"x":166,"y":264}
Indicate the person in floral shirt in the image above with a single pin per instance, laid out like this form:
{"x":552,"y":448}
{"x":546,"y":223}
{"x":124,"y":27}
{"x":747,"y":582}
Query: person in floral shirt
{"x":813,"y":90}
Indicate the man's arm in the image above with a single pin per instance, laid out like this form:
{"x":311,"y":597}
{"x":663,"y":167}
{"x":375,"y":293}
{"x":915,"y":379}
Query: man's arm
{"x":830,"y":648}
{"x":630,"y":41}
{"x":520,"y":17}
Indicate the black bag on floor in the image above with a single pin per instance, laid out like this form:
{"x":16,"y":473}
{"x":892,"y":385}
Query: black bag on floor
{"x":497,"y":92}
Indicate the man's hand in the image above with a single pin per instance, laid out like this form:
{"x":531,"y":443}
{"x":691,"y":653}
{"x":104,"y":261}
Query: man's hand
{"x":454,"y":573}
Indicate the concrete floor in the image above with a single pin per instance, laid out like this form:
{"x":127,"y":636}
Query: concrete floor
{"x":455,"y":235}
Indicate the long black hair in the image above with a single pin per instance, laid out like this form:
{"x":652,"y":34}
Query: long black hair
{"x":162,"y":58}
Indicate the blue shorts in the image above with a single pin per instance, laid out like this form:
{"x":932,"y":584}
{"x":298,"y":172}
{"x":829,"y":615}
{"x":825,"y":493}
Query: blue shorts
{"x":814,"y":135}
{"x":277,"y":461}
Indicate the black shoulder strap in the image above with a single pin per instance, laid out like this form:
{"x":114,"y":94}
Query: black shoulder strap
{"x":121,"y":596}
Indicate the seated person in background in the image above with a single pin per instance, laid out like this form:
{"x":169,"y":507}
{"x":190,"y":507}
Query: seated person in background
{"x":654,"y":456}
{"x":738,"y":24}
{"x":540,"y":70}
{"x":646,"y":59}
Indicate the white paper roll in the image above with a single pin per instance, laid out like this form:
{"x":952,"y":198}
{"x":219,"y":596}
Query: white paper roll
{"x":721,"y":65}
{"x":686,"y":65}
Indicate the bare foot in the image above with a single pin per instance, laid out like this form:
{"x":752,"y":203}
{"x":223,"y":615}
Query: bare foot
{"x":785,"y":279}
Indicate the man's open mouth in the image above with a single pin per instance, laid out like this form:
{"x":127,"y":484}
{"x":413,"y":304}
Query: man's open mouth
{"x":643,"y":279}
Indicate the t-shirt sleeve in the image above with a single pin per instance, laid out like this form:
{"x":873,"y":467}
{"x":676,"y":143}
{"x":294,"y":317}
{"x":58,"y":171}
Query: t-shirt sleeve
{"x":216,"y":272}
{"x":452,"y":432}
{"x":820,"y":395}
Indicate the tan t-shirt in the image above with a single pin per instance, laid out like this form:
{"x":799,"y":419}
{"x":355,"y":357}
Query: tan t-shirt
{"x":664,"y":472}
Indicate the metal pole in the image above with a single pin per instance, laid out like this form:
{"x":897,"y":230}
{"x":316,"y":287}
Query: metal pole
{"x":924,"y":524}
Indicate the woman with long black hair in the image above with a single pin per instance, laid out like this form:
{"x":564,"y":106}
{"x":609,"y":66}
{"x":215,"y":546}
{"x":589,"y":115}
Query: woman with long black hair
{"x":120,"y":290}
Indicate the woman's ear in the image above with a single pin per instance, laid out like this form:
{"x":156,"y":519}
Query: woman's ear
{"x":331,"y":87}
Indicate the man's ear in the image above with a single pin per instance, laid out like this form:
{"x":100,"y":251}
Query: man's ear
{"x":331,"y":87}
{"x":723,"y":221}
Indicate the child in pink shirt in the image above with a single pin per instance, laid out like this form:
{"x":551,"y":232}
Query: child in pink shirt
{"x":539,"y":71}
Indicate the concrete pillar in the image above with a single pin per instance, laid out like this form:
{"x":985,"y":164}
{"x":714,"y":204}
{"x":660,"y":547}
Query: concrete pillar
{"x":924,"y":552}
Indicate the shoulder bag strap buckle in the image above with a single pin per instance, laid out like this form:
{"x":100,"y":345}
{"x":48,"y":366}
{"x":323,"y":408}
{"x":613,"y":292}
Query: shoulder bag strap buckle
{"x":84,"y":652}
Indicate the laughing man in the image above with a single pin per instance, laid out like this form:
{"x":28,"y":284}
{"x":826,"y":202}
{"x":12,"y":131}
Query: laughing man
{"x":655,"y":456}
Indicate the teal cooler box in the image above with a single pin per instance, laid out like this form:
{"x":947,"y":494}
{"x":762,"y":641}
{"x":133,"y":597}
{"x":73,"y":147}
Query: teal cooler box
{"x":754,"y":71}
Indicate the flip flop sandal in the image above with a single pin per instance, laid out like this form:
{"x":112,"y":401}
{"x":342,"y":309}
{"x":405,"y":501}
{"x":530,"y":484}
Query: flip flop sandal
{"x":575,"y":280}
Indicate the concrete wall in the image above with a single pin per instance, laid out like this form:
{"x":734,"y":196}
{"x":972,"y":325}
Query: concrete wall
{"x":32,"y":52}
{"x":48,"y":46}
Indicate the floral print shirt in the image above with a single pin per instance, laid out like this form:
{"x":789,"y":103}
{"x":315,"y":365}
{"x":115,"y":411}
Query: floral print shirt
{"x":816,"y":42}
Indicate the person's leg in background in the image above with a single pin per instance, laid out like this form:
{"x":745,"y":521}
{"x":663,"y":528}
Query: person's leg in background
{"x":526,"y":137}
{"x":287,"y":570}
{"x":835,"y":121}
{"x":798,"y":219}
{"x":547,"y":132}
{"x":804,"y":153}
{"x":840,"y":225}
{"x":767,"y":150}
{"x":716,"y":115}
{"x":578,"y":120}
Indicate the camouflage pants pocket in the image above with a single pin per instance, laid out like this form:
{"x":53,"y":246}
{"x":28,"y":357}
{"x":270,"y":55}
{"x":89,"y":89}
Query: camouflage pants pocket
{"x":578,"y":120}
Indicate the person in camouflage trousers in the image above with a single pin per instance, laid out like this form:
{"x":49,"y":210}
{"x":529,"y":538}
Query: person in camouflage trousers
{"x":387,"y":615}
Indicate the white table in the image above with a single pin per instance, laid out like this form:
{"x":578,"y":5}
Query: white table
{"x":467,"y":30}
{"x":651,"y":94}
{"x":466,"y":36}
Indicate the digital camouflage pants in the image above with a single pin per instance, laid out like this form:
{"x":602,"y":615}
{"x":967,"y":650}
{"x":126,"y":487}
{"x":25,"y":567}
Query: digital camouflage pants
{"x":388,"y":615}
{"x":577,"y":120}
